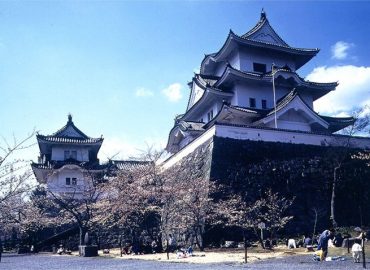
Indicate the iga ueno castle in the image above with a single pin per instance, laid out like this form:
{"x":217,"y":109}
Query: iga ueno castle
{"x":248,"y":90}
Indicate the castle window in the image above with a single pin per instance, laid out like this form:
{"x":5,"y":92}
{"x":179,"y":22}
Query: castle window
{"x":210,"y":115}
{"x":264,"y":104}
{"x":74,"y":181}
{"x":252,"y":102}
{"x":73,"y":155}
{"x":258,"y":67}
{"x":68,"y":181}
{"x":66,"y":154}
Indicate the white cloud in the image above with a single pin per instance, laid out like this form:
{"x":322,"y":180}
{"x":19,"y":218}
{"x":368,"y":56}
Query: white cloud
{"x":340,"y":50}
{"x":125,"y":148}
{"x":353,"y":90}
{"x":118,"y":148}
{"x":173,"y":92}
{"x":143,"y":92}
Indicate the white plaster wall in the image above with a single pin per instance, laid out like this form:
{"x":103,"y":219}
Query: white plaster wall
{"x":244,"y":133}
{"x":291,"y":125}
{"x":56,"y":182}
{"x":57,"y":152}
{"x":242,"y":93}
{"x":188,"y":149}
{"x":220,"y":69}
{"x":58,"y":178}
{"x":234,"y":59}
{"x":215,"y":108}
{"x":255,"y":134}
{"x":196,"y":93}
{"x":248,"y":56}
{"x":307,"y":99}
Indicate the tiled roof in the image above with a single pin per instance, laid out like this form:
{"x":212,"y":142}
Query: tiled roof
{"x":330,"y":119}
{"x":69,"y":134}
{"x":248,"y":39}
{"x":281,"y":103}
{"x":70,"y":125}
{"x":286,"y":47}
{"x":261,"y":23}
{"x":245,"y":109}
{"x":59,"y":164}
{"x":69,"y":140}
{"x":338,"y":123}
{"x":335,"y":123}
{"x":208,"y":79}
{"x":128,"y":164}
{"x":268,"y":77}
{"x":191,"y":125}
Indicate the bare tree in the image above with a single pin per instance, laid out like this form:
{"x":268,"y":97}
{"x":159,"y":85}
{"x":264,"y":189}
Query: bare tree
{"x":80,"y":204}
{"x":269,"y":209}
{"x":361,"y":124}
{"x":316,"y":213}
{"x":15,"y":181}
{"x":187,"y":206}
{"x":14,"y":172}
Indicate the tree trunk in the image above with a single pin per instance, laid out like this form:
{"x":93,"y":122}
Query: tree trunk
{"x":198,"y":231}
{"x":314,"y":226}
{"x":245,"y":247}
{"x":332,"y":202}
{"x":82,"y":235}
{"x":258,"y":234}
{"x":168,"y":249}
{"x":261,"y":242}
{"x":363,"y":250}
{"x":200,"y":239}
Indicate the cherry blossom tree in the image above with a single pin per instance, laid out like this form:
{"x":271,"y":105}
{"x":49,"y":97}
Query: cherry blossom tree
{"x":269,"y":209}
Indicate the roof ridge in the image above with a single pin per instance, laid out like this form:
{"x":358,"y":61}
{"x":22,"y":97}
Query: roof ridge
{"x":65,"y":127}
{"x":263,"y":21}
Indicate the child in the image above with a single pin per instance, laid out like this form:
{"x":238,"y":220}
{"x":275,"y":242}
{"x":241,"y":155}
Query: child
{"x":356,"y":252}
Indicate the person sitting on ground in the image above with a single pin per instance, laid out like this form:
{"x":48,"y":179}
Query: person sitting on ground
{"x":307,"y":242}
{"x":300,"y":242}
{"x":60,"y":250}
{"x":126,"y":250}
{"x":291,"y":243}
{"x":268,"y":244}
{"x":154,"y":246}
{"x":181,"y":253}
{"x":338,"y":240}
{"x":190,"y":251}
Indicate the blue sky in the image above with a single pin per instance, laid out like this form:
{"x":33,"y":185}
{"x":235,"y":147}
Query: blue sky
{"x":121,"y":67}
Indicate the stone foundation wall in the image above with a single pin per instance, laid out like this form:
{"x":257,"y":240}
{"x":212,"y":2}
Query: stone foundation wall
{"x":301,"y":171}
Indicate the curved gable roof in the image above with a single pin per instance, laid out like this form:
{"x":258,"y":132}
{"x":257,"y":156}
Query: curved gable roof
{"x":263,"y":31}
{"x":69,"y":134}
{"x":70,"y":131}
{"x":260,"y":36}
